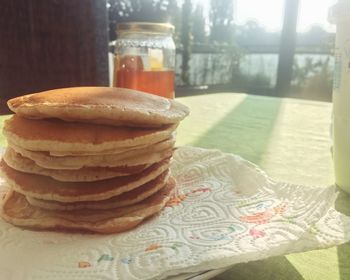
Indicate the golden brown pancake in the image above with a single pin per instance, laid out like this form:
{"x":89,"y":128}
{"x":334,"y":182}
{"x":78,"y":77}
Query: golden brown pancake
{"x":124,"y":199}
{"x":16,"y":210}
{"x":102,"y":105}
{"x":85,"y":174}
{"x":131,"y":158}
{"x":44,"y":187}
{"x":64,"y":137}
{"x":122,"y":151}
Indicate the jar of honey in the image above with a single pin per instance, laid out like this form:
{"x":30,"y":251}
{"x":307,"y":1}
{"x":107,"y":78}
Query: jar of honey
{"x":145,"y":58}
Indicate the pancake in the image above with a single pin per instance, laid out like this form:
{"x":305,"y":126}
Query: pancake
{"x":132,"y":158}
{"x":85,"y":174}
{"x":63,"y":137}
{"x":134,"y":150}
{"x":16,"y":210}
{"x":44,"y":187}
{"x":114,"y":151}
{"x":102,"y":105}
{"x":124,"y":199}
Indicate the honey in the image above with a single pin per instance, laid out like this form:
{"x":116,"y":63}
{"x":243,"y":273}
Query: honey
{"x":156,"y":82}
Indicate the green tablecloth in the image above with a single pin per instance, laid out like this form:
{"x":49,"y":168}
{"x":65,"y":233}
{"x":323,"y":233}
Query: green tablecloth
{"x":287,"y":138}
{"x":290,"y":140}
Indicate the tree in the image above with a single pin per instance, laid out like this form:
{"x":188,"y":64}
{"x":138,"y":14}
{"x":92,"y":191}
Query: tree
{"x":199,"y":34}
{"x":140,"y":10}
{"x":250,"y":32}
{"x":175,"y":18}
{"x":221,"y":21}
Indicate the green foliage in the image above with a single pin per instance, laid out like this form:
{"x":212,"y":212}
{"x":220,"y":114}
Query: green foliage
{"x":235,"y":55}
{"x":221,"y":21}
{"x":311,"y":71}
{"x":141,"y":10}
{"x":314,"y":78}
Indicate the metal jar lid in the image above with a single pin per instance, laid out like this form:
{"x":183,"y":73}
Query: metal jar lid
{"x":146,"y":27}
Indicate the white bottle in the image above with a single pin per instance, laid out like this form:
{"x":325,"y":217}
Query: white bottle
{"x":340,"y":15}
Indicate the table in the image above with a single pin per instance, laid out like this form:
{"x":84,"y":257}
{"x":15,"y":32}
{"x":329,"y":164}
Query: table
{"x":290,"y":140}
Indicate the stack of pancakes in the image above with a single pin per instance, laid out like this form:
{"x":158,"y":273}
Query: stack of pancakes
{"x":88,"y":158}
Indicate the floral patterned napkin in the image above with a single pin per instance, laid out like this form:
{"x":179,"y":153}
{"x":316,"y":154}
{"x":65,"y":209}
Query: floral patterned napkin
{"x":226,"y":211}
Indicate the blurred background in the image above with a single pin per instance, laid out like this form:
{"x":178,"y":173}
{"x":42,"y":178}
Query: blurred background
{"x":236,"y":45}
{"x":270,"y":47}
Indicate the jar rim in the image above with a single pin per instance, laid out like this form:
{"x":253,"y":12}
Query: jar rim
{"x":145,"y":27}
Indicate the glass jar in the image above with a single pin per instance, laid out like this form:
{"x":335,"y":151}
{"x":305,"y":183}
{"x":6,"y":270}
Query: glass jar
{"x":145,"y":58}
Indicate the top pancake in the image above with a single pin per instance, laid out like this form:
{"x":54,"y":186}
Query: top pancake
{"x":102,"y":105}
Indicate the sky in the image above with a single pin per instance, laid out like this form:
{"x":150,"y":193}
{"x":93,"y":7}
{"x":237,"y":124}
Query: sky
{"x":269,"y":13}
